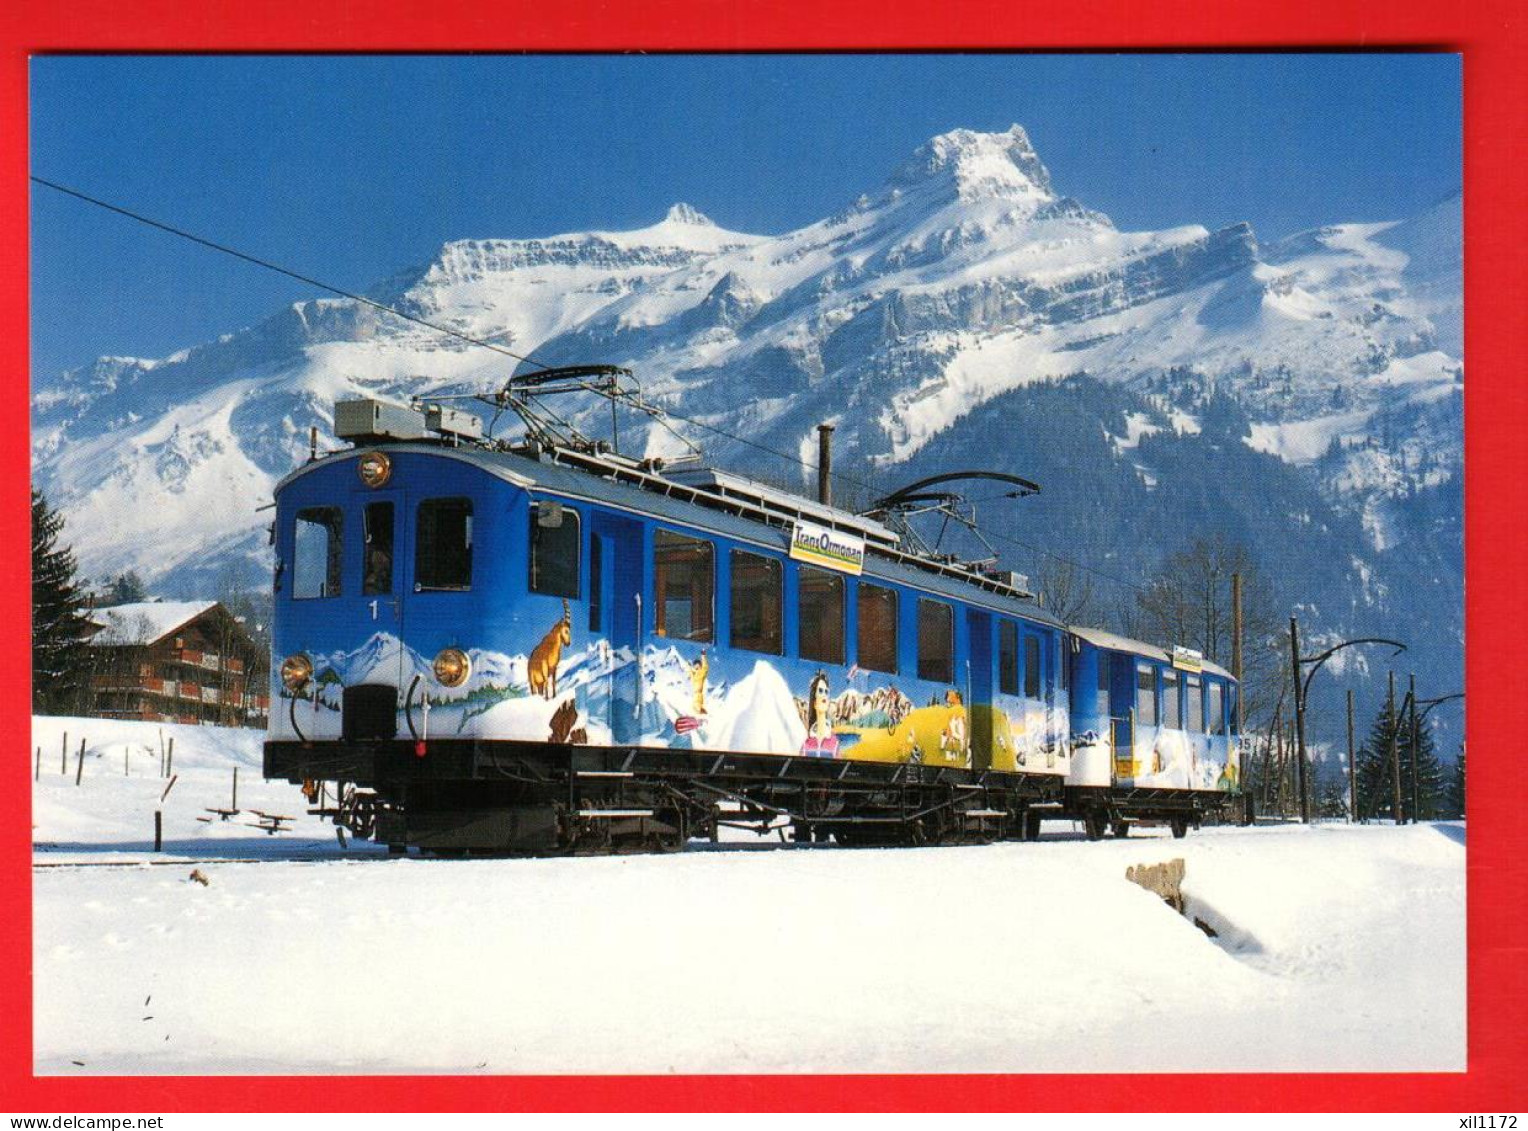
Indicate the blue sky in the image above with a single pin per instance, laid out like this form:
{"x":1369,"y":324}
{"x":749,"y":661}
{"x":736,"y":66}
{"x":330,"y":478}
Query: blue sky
{"x":351,"y":168}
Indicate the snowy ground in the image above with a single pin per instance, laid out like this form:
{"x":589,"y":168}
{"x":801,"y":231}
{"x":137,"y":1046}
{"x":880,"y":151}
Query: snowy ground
{"x":1339,"y":949}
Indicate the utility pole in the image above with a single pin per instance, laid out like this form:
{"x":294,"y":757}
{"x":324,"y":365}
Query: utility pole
{"x":1416,"y":767}
{"x":1352,"y":766}
{"x":1395,"y":756}
{"x":1294,"y":658}
{"x":1236,"y":644}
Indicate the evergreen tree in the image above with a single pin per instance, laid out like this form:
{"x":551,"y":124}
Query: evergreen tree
{"x":1454,"y":794}
{"x":1376,"y":776}
{"x":124,"y":589}
{"x":59,"y":628}
{"x":1331,"y":791}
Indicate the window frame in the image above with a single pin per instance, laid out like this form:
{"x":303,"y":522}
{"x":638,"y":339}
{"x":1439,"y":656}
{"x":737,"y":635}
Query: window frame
{"x":1008,"y":679}
{"x":334,"y":552}
{"x":368,"y":535}
{"x":833,"y":578}
{"x":774,"y":565}
{"x":660,"y":599}
{"x":531,"y":557}
{"x":419,"y":543}
{"x":862,"y":590}
{"x":1154,"y":691}
{"x":1034,"y":664}
{"x":924,"y":660}
{"x":1215,"y":694}
{"x":1172,"y":699}
{"x":1193,"y":692}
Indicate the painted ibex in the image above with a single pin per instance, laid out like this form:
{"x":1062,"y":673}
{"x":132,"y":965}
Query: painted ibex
{"x":541,"y":668}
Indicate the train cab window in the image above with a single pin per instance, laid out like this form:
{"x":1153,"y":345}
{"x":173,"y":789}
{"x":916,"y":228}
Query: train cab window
{"x":1007,"y":657}
{"x":820,"y":604}
{"x":1172,"y":717}
{"x":377,"y":556}
{"x":555,"y":549}
{"x":1233,"y":692}
{"x":757,"y":593}
{"x":877,"y":608}
{"x":316,"y":553}
{"x":1193,"y":703}
{"x":684,"y":578}
{"x":443,"y":545}
{"x":1031,"y":666}
{"x":1216,"y":700}
{"x":936,"y":641}
{"x":1146,"y":695}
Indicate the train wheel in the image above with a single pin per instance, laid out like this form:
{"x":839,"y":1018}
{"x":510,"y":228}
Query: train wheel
{"x":1032,"y":826}
{"x":1093,"y":825}
{"x":1180,"y":827}
{"x":1120,"y":829}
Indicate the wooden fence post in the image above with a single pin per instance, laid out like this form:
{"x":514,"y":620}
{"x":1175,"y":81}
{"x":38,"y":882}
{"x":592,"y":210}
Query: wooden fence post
{"x":234,"y":805}
{"x":169,"y":764}
{"x":63,"y":755}
{"x":79,"y":764}
{"x":158,"y":829}
{"x":37,"y":773}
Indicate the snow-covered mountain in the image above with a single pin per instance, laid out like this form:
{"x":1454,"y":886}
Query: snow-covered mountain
{"x":1150,"y":380}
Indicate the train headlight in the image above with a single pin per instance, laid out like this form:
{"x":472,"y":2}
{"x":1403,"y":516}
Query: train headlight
{"x":452,"y":667}
{"x":374,"y":468}
{"x":296,"y":670}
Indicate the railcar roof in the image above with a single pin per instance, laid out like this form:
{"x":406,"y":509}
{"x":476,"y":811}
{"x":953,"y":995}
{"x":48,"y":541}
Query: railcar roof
{"x":1114,"y":643}
{"x":577,"y":483}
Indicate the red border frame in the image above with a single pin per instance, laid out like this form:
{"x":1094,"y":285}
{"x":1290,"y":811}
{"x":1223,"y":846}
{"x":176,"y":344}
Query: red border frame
{"x":1490,"y":36}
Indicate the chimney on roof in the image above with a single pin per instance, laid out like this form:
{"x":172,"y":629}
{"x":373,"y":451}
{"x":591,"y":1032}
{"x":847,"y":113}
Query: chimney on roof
{"x":825,"y":464}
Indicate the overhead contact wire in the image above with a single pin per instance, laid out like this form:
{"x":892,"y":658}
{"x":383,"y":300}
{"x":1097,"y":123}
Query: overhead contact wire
{"x":495,"y":347}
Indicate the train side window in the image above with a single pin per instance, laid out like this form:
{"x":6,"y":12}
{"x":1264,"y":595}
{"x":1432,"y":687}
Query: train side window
{"x":1217,"y":707}
{"x":684,"y":578}
{"x":316,"y":553}
{"x":1060,"y":658}
{"x":758,"y":591}
{"x":1007,"y":657}
{"x":1172,"y":717}
{"x":1194,"y":703}
{"x":877,"y":608}
{"x":555,"y":548}
{"x":936,"y":641}
{"x":1031,"y":666}
{"x":820,"y":604}
{"x":377,"y":559}
{"x":1146,"y":695}
{"x":1104,"y":704}
{"x":443,"y":545}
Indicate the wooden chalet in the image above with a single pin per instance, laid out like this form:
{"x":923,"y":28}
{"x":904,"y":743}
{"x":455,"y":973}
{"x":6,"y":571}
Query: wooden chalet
{"x":176,"y":662}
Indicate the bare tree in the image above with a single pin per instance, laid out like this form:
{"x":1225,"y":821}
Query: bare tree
{"x":1188,"y":602}
{"x":1066,"y":591}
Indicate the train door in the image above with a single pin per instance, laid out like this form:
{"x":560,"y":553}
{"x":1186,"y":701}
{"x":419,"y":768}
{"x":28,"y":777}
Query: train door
{"x":615,"y":615}
{"x":1122,"y":713}
{"x":372,"y":707}
{"x":979,"y":687}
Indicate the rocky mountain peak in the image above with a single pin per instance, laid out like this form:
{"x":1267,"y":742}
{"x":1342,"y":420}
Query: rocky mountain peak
{"x":682,"y":213}
{"x":978,"y":165}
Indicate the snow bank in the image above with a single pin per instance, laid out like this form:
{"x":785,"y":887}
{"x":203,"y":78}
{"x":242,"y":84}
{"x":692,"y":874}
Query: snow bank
{"x":1339,"y":949}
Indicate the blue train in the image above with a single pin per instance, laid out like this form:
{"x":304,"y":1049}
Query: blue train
{"x":552,"y":649}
